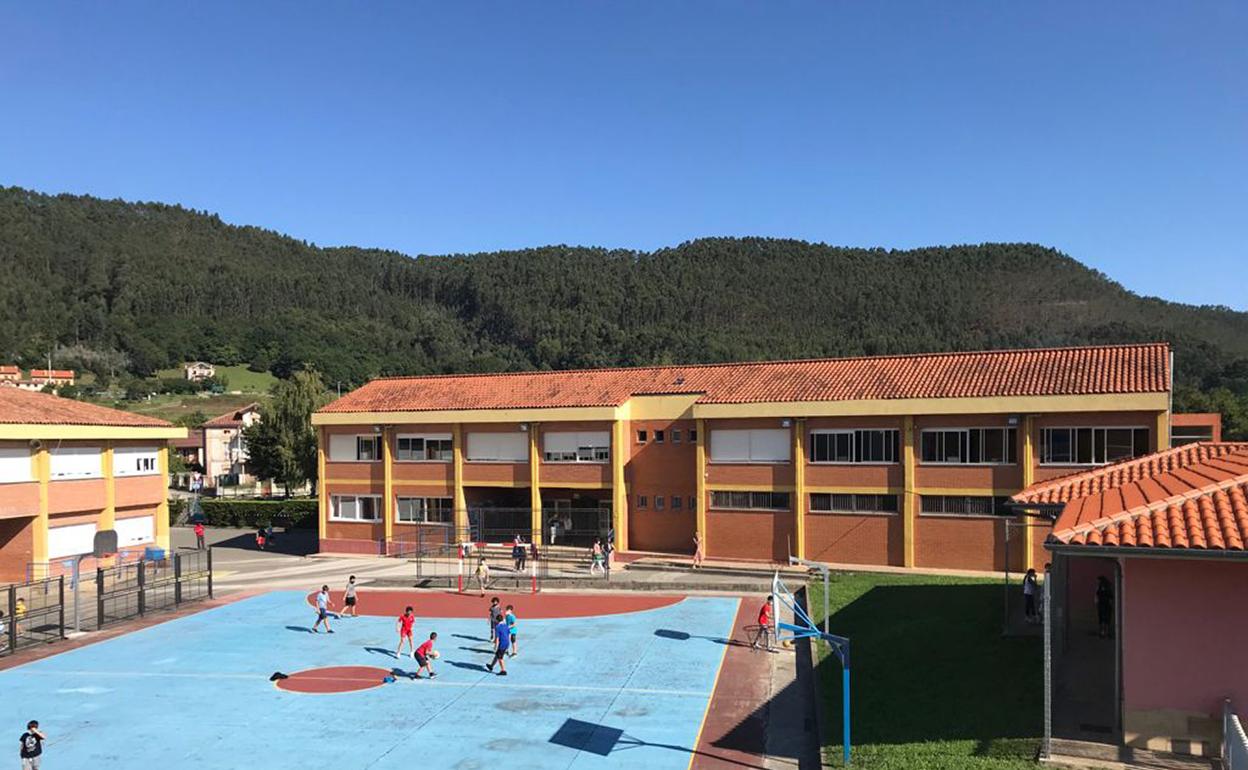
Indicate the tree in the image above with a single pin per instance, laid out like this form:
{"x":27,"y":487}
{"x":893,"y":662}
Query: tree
{"x":282,"y":444}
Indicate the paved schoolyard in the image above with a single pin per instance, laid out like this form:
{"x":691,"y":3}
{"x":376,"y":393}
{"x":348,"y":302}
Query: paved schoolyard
{"x":626,"y":685}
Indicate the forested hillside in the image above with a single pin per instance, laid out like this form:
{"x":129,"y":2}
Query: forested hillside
{"x":130,"y":287}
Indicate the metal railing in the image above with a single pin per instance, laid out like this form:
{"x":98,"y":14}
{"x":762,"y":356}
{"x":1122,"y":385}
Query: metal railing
{"x":126,"y":591}
{"x":34,"y":613}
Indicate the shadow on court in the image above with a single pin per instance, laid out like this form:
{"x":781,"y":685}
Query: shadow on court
{"x":301,"y":629}
{"x":468,"y":666}
{"x":381,"y":651}
{"x":682,"y":636}
{"x":603,"y":740}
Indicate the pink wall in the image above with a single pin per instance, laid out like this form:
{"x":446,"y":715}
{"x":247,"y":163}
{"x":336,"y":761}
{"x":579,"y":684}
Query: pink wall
{"x":1185,"y":634}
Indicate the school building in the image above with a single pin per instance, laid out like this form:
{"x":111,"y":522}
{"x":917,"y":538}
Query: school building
{"x":69,"y":469}
{"x":891,"y":460}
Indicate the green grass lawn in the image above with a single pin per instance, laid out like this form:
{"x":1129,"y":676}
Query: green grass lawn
{"x":934,"y":684}
{"x":168,"y":407}
{"x":239,"y":378}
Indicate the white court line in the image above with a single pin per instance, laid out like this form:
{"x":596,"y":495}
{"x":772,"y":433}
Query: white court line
{"x":424,"y":682}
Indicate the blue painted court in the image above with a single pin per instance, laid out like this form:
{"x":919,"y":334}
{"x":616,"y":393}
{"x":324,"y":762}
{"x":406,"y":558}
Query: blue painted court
{"x":603,"y":692}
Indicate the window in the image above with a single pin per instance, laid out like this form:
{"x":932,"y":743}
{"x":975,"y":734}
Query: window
{"x":641,"y":501}
{"x":1091,"y":446}
{"x":1188,"y":434}
{"x":641,"y":437}
{"x":750,"y":501}
{"x":577,"y":447}
{"x":855,"y":446}
{"x":76,"y":462}
{"x":355,"y":449}
{"x":356,"y":508}
{"x":693,"y":503}
{"x":957,"y":505}
{"x":15,"y":464}
{"x":135,"y":461}
{"x":658,"y":502}
{"x":693,"y":435}
{"x":750,"y":446}
{"x":675,"y":502}
{"x":821,"y":502}
{"x":424,"y":448}
{"x":969,"y":446}
{"x":675,"y":435}
{"x":424,"y":510}
{"x":498,"y":447}
{"x":658,"y":437}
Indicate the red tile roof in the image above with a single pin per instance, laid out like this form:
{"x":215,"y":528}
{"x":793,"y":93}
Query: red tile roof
{"x":10,"y":370}
{"x":59,"y":374}
{"x":1045,"y":372}
{"x":232,"y":418}
{"x":24,"y":407}
{"x":1193,"y":496}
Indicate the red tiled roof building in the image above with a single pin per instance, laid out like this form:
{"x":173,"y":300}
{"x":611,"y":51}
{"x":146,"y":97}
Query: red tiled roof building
{"x":901,"y":460}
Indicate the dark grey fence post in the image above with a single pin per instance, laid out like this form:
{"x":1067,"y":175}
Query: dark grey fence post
{"x":210,"y":573}
{"x":12,"y":613}
{"x":60,"y":619}
{"x":142,"y":586}
{"x":177,"y":579}
{"x":99,"y":598}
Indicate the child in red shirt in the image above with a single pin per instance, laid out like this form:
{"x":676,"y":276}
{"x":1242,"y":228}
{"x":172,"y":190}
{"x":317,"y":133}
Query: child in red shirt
{"x":404,"y":625}
{"x":424,"y":654}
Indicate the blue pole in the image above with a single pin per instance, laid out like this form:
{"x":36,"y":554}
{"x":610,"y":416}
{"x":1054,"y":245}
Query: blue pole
{"x":845,"y":713}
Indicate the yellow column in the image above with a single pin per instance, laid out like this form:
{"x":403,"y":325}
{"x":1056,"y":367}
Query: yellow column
{"x":1029,"y":477}
{"x":799,"y":485}
{"x":535,"y":485}
{"x":387,"y":483}
{"x":619,"y":494}
{"x":108,"y":516}
{"x":461,"y":501}
{"x":1163,"y":431}
{"x":701,"y":482}
{"x":909,"y":501}
{"x":41,"y":465}
{"x":162,"y":508}
{"x":322,"y":494}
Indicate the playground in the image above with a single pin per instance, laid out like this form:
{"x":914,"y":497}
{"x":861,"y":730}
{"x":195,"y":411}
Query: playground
{"x":607,"y":681}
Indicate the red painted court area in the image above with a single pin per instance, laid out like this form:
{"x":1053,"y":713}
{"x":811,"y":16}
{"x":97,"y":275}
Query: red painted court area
{"x":334,"y":679}
{"x":530,"y":606}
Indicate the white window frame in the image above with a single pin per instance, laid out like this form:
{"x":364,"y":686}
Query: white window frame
{"x":1044,"y":452}
{"x":751,"y":436}
{"x":336,"y":448}
{"x":444,"y":502}
{"x":424,"y":438}
{"x":136,"y":461}
{"x":1010,"y":445}
{"x":997,"y":503}
{"x":336,"y":503}
{"x":584,"y":446}
{"x":752,"y":500}
{"x":892,"y":445}
{"x":834,"y":510}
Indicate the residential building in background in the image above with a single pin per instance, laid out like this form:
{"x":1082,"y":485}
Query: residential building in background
{"x":191,"y":448}
{"x":1165,"y":536}
{"x":198,"y":371}
{"x":892,"y":460}
{"x":69,"y":469}
{"x":53,"y":376}
{"x":10,"y":374}
{"x":1195,"y":426}
{"x":225,"y":449}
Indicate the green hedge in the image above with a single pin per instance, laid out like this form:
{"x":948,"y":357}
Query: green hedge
{"x":258,"y":513}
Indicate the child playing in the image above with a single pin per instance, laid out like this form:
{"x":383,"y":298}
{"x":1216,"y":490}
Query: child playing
{"x":348,"y":597}
{"x":482,"y":574}
{"x":510,"y":617}
{"x":323,"y":605}
{"x":404,"y":625}
{"x":425,"y":653}
{"x":494,"y":616}
{"x":502,"y":640}
{"x":595,"y":562}
{"x":19,"y":614}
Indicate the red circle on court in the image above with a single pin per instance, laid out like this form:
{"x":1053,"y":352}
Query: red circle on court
{"x":334,"y":679}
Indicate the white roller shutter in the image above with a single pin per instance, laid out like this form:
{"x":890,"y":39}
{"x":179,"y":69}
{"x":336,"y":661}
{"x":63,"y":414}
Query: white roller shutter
{"x":342,"y":448}
{"x":15,"y":464}
{"x":73,"y":540}
{"x":499,"y":447}
{"x":135,"y":531}
{"x":769,"y":446}
{"x":730,"y":446}
{"x":77,"y":462}
{"x":136,"y":461}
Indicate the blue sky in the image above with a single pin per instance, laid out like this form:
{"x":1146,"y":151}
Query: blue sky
{"x":1117,"y":132}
